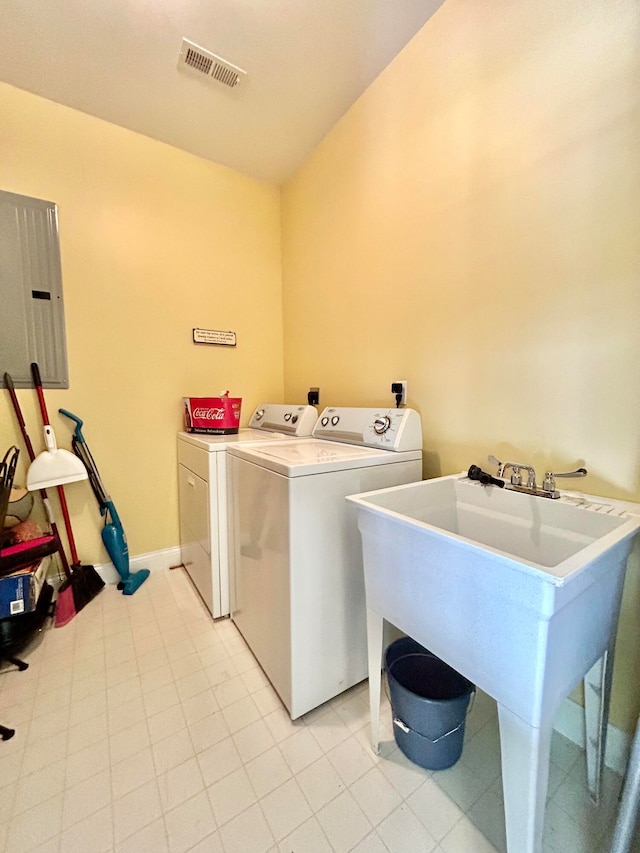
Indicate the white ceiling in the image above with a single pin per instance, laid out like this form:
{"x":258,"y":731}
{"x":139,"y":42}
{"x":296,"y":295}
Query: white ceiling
{"x":307,"y":61}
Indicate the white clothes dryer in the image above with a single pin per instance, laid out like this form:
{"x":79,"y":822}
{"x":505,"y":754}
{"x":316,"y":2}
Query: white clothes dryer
{"x":202,"y":489}
{"x":297,"y":584}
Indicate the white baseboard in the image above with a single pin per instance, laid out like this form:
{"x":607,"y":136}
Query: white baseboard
{"x":570,"y":723}
{"x":155,"y":561}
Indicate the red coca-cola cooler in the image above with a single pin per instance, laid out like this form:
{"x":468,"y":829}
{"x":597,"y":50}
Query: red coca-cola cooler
{"x":212,"y":415}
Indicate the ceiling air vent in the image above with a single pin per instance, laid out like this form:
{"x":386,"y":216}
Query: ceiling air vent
{"x":204,"y":63}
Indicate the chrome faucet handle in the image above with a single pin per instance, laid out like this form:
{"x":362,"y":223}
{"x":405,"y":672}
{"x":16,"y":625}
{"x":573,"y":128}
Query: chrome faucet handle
{"x":516,"y":476}
{"x":549,"y":484}
{"x":491,"y":458}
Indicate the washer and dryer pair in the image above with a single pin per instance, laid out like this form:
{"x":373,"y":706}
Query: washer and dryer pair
{"x":297,"y":582}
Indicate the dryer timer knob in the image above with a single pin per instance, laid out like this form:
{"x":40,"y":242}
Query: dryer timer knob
{"x":381,"y":425}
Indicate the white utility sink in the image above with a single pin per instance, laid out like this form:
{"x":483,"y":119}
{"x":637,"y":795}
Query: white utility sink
{"x":520,"y":594}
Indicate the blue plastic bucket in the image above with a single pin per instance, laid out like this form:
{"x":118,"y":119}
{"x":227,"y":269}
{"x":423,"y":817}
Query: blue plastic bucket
{"x":429,"y":702}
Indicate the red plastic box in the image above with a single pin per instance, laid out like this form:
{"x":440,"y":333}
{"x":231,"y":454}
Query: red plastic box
{"x":212,"y":415}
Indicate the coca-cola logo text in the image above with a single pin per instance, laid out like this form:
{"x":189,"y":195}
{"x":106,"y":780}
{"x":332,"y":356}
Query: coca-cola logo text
{"x":211,"y":414}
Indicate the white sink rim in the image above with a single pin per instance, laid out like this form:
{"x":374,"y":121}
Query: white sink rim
{"x":620,"y":520}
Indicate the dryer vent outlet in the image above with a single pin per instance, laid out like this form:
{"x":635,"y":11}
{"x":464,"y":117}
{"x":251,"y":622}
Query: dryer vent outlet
{"x":197,"y":60}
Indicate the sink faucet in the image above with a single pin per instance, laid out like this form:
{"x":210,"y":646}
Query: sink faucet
{"x":548,"y":489}
{"x":516,"y":476}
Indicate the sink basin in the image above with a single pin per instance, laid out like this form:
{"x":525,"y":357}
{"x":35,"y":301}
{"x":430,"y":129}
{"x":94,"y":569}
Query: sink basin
{"x":556,"y":537}
{"x":520,"y":594}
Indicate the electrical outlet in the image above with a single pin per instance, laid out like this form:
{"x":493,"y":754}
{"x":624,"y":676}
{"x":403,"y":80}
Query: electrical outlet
{"x":399,"y":388}
{"x":313,"y":397}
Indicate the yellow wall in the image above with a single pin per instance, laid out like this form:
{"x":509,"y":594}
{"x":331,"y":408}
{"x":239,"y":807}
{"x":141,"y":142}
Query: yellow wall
{"x":153,"y":242}
{"x":472,"y":225}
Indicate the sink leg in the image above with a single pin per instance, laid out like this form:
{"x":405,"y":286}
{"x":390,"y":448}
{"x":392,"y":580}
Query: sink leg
{"x":597,"y":697}
{"x":624,"y":831}
{"x":375,"y":624}
{"x":525,"y":776}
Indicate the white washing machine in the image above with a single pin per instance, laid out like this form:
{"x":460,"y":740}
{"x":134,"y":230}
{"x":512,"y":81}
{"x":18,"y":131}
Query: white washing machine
{"x":202,"y":484}
{"x":297,"y":586}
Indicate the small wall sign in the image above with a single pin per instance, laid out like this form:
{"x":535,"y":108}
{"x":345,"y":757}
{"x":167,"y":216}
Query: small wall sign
{"x":214,"y":336}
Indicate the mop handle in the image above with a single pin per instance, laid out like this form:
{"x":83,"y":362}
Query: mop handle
{"x":8,"y":381}
{"x":67,"y":525}
{"x":37,"y":381}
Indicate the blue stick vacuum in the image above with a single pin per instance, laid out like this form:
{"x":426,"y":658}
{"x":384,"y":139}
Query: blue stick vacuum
{"x":112,"y":533}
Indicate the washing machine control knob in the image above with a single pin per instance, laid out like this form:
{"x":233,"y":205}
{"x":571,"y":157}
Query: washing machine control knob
{"x":259,"y":414}
{"x":381,"y":425}
{"x":287,"y":417}
{"x":334,"y":420}
{"x":324,"y":421}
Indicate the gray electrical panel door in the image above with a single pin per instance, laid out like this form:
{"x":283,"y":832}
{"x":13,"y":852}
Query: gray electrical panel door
{"x":31,"y":307}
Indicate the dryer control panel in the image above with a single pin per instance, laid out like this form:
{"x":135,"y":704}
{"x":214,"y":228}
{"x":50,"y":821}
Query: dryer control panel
{"x":388,"y":429}
{"x":289,"y":420}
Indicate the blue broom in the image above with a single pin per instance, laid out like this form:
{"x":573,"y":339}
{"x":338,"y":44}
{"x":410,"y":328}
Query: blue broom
{"x":113,"y":534}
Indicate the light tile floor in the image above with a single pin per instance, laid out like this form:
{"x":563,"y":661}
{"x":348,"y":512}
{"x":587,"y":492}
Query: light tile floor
{"x":143,"y":726}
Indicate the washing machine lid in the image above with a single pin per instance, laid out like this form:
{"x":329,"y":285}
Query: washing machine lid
{"x":220,"y":443}
{"x":315,"y":456}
